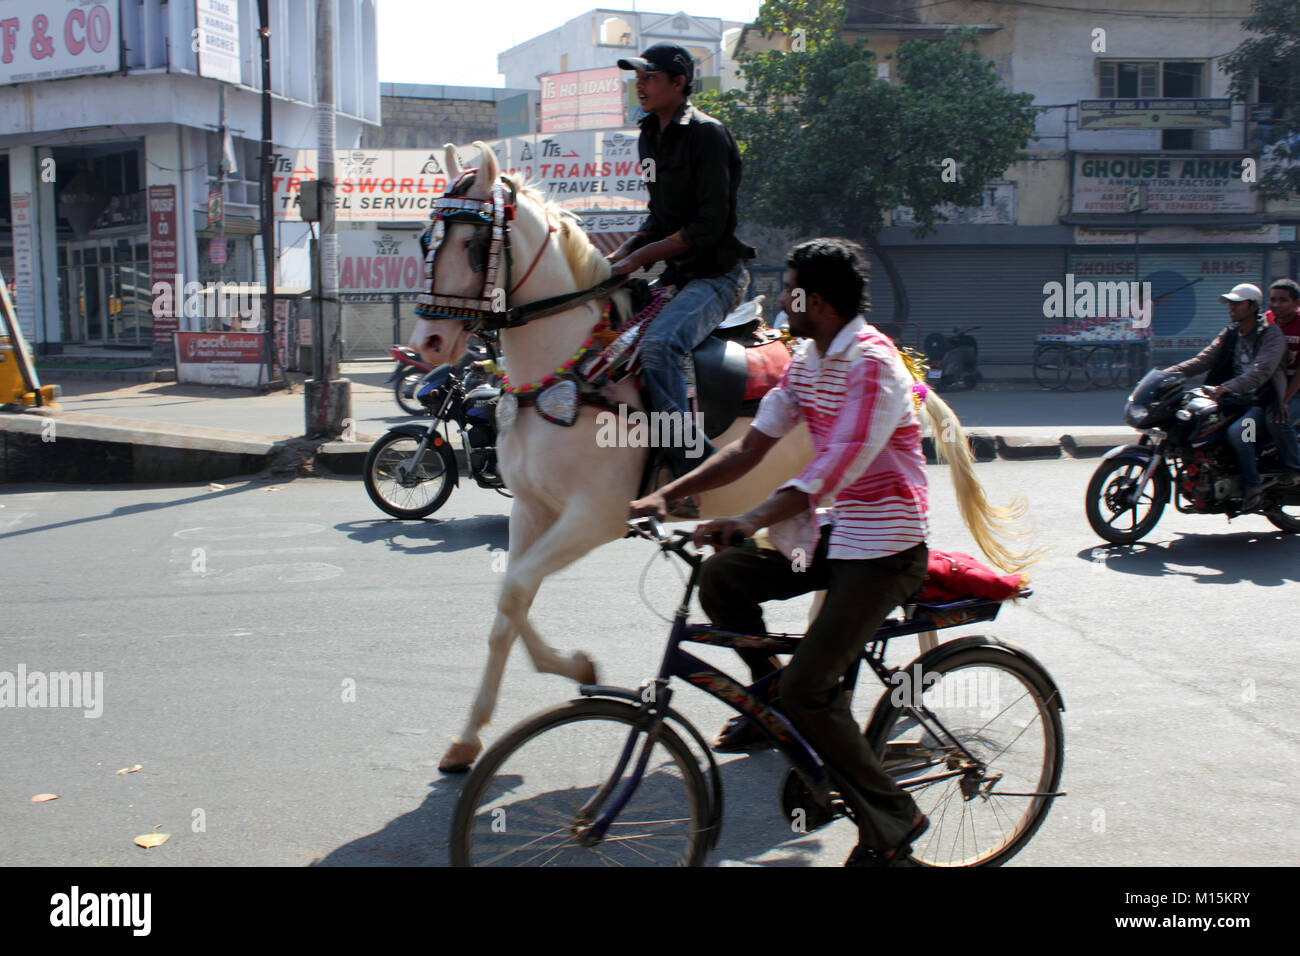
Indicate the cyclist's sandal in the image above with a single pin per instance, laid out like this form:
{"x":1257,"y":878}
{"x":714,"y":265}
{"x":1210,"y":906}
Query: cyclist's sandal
{"x":740,"y":735}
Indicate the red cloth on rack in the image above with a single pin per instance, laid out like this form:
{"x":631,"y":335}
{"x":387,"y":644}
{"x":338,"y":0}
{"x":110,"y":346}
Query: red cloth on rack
{"x":951,"y":576}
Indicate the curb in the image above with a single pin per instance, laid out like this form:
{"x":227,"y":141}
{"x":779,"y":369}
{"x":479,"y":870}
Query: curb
{"x":82,"y":448}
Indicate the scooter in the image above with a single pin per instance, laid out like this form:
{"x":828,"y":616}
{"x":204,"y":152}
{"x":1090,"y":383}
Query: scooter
{"x":954,"y":359}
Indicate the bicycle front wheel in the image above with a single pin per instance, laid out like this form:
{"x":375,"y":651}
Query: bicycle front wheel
{"x":997,"y":706}
{"x":532,"y":795}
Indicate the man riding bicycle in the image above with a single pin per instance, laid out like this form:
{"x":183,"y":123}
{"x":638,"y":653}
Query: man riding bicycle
{"x":853,"y":523}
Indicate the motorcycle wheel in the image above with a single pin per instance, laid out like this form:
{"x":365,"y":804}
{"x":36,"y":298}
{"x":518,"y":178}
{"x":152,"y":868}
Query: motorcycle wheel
{"x":404,"y":390}
{"x":1285,"y":518}
{"x":1108,"y":501}
{"x":402,"y":487}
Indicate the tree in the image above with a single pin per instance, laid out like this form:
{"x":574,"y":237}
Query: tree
{"x":828,"y":145}
{"x":1273,"y":58}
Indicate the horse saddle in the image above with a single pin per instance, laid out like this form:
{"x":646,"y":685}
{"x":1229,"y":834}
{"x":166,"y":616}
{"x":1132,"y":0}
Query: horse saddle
{"x":736,"y":366}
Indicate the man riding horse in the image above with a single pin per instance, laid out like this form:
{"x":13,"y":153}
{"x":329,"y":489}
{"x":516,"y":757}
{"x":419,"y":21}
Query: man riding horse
{"x":692,"y":170}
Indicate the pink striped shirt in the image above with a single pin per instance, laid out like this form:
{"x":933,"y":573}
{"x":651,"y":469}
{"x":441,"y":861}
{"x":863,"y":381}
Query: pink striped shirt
{"x":868,"y":467}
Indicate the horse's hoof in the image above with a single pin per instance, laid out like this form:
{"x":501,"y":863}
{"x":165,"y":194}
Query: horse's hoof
{"x":459,"y":757}
{"x":586,"y":668}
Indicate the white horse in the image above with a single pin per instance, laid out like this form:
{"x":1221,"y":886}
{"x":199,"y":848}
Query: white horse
{"x":571,"y":494}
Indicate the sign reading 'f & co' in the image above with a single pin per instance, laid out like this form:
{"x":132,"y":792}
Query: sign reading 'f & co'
{"x":51,"y":39}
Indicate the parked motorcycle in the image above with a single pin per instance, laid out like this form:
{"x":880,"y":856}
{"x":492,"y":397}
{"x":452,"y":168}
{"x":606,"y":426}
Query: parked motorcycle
{"x":1184,"y":454}
{"x":411,"y":471}
{"x":953,"y":359}
{"x":410,"y":369}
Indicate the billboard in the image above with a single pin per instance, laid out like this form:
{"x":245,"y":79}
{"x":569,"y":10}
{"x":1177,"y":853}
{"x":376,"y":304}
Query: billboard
{"x":218,"y":39}
{"x":52,"y":39}
{"x":583,"y":99}
{"x":1191,"y":184}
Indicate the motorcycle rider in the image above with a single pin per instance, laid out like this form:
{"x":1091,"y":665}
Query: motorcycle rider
{"x":1244,"y":364}
{"x":692,"y":167}
{"x":1284,"y":312}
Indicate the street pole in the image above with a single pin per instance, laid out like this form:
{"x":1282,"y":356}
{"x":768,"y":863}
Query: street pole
{"x":328,"y":398}
{"x":268,"y":196}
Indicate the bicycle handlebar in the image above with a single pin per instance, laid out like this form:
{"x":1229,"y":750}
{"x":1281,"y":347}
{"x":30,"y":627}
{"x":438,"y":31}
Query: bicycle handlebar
{"x":652,"y":529}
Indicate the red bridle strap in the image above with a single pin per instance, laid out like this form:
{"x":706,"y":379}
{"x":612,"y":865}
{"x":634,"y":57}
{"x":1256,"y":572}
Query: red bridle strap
{"x":538,"y":258}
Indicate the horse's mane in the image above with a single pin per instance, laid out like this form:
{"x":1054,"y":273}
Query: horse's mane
{"x":585,"y":261}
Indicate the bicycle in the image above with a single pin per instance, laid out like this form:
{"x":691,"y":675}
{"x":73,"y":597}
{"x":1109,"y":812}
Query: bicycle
{"x":650,"y":803}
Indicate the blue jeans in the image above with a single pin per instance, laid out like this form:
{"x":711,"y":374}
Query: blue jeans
{"x":686,"y":321}
{"x":1250,"y":424}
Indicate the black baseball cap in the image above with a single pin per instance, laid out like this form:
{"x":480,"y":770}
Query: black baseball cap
{"x":662,"y":57}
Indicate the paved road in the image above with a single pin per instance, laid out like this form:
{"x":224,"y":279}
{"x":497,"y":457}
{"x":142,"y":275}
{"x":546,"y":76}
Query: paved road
{"x":233,"y":626}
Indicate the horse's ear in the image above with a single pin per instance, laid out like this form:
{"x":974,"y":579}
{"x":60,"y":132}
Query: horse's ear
{"x":453,"y":163}
{"x":488,"y":165}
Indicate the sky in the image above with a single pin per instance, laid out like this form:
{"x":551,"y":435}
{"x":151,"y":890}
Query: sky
{"x":455,"y":43}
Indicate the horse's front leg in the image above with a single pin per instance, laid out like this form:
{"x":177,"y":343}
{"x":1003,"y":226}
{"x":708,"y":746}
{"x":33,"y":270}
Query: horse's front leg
{"x":527,"y":520}
{"x":584,"y":525}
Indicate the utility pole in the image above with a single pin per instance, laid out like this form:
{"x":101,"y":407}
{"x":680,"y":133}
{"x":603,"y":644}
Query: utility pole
{"x":268,"y":195}
{"x":328,"y":398}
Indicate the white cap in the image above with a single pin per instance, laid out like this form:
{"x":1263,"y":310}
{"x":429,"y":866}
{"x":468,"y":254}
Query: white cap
{"x":1243,"y":293}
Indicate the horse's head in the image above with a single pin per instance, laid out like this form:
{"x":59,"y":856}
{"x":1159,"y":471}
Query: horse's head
{"x":460,"y":264}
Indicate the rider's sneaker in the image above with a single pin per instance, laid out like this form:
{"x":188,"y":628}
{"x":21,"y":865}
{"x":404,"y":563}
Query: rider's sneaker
{"x":739,"y":735}
{"x":1250,"y":500}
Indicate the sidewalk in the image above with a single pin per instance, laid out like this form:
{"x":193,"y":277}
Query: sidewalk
{"x":112,"y":430}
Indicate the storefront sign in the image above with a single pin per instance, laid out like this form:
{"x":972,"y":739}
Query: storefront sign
{"x":374,"y":260}
{"x":20,"y":205}
{"x":218,"y":39}
{"x":997,"y":207}
{"x":1178,"y":113}
{"x":51,"y":39}
{"x":220,"y":358}
{"x":580,"y":171}
{"x":1266,"y":233}
{"x":164,"y":263}
{"x":1194,"y":184}
{"x":584,"y":99}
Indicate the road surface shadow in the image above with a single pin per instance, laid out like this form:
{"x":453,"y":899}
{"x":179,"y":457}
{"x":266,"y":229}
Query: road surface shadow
{"x":1265,"y":558}
{"x":432,"y":535}
{"x":422,"y":837}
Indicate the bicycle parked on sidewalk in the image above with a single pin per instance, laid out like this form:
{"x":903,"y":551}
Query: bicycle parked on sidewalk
{"x":612,"y":779}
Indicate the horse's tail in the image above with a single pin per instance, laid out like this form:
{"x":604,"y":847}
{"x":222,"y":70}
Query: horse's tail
{"x":993,"y":528}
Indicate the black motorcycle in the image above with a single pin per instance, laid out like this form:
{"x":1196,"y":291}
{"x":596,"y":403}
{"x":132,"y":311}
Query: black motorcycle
{"x":1184,"y":454}
{"x":411,"y":370}
{"x":411,"y":471}
{"x":953,"y":359}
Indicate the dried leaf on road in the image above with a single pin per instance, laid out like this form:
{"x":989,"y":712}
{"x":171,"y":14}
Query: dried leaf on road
{"x":151,"y":840}
{"x":213,"y":486}
{"x":44,"y":797}
{"x":272,"y":488}
{"x":134,"y":769}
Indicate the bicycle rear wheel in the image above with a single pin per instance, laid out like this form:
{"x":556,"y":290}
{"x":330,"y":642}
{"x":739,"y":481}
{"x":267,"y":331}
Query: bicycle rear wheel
{"x":531,"y":795}
{"x":998,"y":706}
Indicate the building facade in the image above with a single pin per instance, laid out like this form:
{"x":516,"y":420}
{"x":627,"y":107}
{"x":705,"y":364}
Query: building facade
{"x":1109,"y":83}
{"x":111,"y":141}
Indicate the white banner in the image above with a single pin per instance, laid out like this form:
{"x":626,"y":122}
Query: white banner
{"x":1195,"y":184}
{"x":218,"y":36}
{"x":376,"y":260}
{"x":581,"y":172}
{"x":50,"y":39}
{"x":1267,"y":233}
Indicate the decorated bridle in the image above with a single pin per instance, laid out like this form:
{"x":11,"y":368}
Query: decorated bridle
{"x":488,"y":311}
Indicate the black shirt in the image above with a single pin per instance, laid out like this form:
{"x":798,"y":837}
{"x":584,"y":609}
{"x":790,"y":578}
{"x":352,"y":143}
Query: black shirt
{"x":693,"y":189}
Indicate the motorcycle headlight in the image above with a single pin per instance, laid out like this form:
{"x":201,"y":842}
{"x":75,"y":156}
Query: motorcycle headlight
{"x":1139,"y":414}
